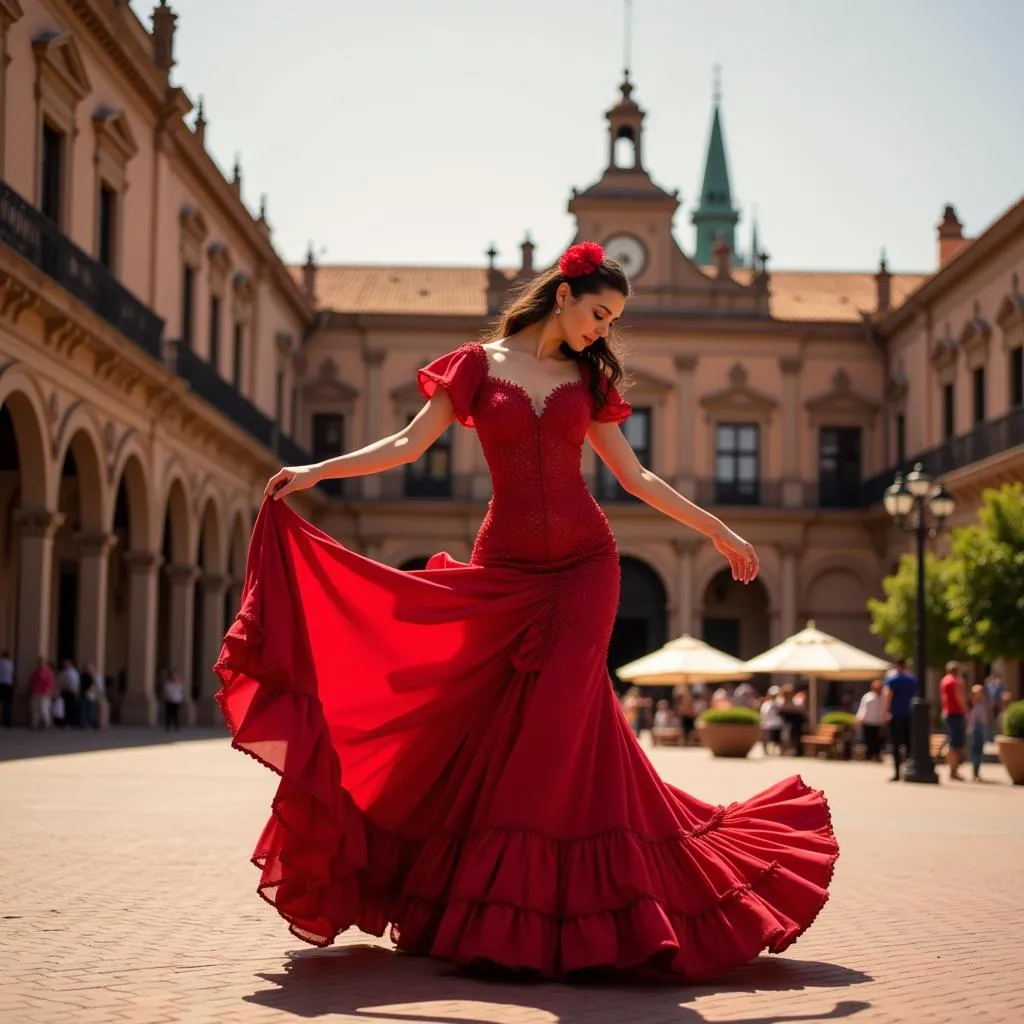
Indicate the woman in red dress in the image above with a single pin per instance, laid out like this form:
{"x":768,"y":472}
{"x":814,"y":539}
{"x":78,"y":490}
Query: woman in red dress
{"x":453,"y":760}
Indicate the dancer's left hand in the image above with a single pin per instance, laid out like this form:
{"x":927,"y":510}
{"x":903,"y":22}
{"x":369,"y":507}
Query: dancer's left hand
{"x":740,"y":554}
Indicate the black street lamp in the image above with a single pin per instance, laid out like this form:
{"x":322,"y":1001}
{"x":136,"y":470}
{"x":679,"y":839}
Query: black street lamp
{"x":922,"y":505}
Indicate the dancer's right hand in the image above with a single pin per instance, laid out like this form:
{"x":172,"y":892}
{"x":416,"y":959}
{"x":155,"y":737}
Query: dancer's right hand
{"x":289,"y":479}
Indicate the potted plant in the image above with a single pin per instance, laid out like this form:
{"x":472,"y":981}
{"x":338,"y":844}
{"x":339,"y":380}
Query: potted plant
{"x":729,"y":732}
{"x":1011,"y":742}
{"x":848,"y":725}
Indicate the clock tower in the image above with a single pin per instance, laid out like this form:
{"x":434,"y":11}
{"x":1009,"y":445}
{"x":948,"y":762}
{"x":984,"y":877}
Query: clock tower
{"x":631,"y":216}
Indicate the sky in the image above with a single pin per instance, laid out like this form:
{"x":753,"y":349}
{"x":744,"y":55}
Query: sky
{"x":421,"y":131}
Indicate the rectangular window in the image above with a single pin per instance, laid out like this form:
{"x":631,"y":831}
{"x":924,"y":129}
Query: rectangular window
{"x":188,"y":300}
{"x":978,"y":387}
{"x":1017,"y":376}
{"x":279,"y":398}
{"x":948,"y":412}
{"x":900,"y":430}
{"x":737,"y":464}
{"x":215,"y":332}
{"x":107,"y":225}
{"x":52,"y":185}
{"x":237,"y":348}
{"x":637,"y":431}
{"x":839,"y":466}
{"x":328,"y":440}
{"x":430,"y":476}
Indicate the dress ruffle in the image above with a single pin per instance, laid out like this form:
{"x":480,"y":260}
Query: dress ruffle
{"x":694,"y":900}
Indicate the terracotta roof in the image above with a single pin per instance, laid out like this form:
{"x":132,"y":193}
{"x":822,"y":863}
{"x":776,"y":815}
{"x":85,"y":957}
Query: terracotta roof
{"x":462,"y":291}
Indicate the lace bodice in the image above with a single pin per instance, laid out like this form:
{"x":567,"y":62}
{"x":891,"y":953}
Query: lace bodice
{"x":541,"y":513}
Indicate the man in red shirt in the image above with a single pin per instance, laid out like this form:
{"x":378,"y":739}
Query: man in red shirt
{"x":954,"y":709}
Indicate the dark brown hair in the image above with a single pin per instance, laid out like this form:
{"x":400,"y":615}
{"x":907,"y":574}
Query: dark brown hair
{"x":536,"y":300}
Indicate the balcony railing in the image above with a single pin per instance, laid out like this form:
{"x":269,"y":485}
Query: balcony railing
{"x":37,"y":239}
{"x":984,"y":441}
{"x":209,"y":385}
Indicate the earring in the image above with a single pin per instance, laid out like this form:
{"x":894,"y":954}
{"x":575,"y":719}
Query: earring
{"x":558,"y":310}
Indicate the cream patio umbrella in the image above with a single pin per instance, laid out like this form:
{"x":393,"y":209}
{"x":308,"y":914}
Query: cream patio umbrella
{"x":817,"y":655}
{"x":683,"y":661}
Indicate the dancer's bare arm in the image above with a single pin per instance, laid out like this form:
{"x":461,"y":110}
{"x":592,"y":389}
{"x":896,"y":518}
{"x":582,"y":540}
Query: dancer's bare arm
{"x":387,"y":453}
{"x":614,"y":450}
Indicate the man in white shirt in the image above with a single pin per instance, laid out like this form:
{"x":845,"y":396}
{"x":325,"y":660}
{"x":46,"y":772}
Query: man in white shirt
{"x":871,"y":716}
{"x":69,"y":686}
{"x":6,"y":688}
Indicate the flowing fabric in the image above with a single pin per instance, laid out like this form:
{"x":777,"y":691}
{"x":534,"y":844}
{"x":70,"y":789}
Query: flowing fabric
{"x":453,"y":760}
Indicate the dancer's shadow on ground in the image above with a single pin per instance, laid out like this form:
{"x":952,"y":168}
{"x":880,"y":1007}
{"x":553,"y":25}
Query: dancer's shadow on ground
{"x":374,"y":984}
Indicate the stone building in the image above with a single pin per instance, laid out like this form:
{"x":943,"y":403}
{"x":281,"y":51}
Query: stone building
{"x":158,"y":361}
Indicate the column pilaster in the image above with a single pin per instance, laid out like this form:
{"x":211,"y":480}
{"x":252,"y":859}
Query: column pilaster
{"x":182,"y":632}
{"x":215,"y":586}
{"x":139,"y":701}
{"x":37,"y":529}
{"x":373,"y":362}
{"x":792,"y":485}
{"x":686,"y":552}
{"x":93,"y":582}
{"x":684,"y":475}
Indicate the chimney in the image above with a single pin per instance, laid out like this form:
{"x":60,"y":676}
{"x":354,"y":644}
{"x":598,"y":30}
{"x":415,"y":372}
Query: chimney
{"x":527,"y":248}
{"x":309,"y":269}
{"x":883,"y":287}
{"x":164,"y":20}
{"x":721,"y":254}
{"x":951,"y":235}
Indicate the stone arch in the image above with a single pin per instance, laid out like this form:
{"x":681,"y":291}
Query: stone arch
{"x":130,"y":473}
{"x":710,"y":568}
{"x":80,"y":438}
{"x":177,"y":528}
{"x":20,"y":398}
{"x":836,"y":599}
{"x":834,"y":563}
{"x":656,"y":558}
{"x":238,"y":546}
{"x":735,"y":618}
{"x":211,"y":553}
{"x":641,"y":625}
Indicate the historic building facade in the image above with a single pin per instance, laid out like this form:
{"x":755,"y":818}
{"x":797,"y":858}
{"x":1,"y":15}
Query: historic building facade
{"x":158,"y":361}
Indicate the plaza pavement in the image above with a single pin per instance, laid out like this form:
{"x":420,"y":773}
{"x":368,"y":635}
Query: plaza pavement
{"x":126,"y":895}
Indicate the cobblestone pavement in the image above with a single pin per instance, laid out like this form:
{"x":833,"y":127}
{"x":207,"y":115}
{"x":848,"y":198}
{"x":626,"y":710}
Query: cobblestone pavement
{"x":126,"y":895}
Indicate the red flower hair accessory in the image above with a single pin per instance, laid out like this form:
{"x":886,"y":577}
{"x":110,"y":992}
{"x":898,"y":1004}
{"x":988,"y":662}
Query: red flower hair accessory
{"x":582,"y":258}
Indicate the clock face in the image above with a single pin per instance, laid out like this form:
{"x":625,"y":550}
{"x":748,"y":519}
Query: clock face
{"x":629,"y":252}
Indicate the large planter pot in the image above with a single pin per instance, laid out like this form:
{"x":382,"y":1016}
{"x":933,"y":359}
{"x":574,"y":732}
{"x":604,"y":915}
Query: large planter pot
{"x":728,"y":740}
{"x":1011,"y":753}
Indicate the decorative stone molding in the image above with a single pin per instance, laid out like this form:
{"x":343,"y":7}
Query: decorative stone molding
{"x":648,"y":384}
{"x":115,"y":146}
{"x":182,"y":575}
{"x":974,"y":339}
{"x":38,"y":523}
{"x":374,"y":356}
{"x":841,"y":406}
{"x":897,"y":387}
{"x":739,"y":401}
{"x":98,"y":545}
{"x":244,"y":289}
{"x":10,"y":12}
{"x":283,"y":342}
{"x":61,"y":79}
{"x":944,"y":357}
{"x":1010,"y":316}
{"x":327,"y":386}
{"x":686,"y":362}
{"x":193,"y":234}
{"x":219,"y":260}
{"x":791,"y":364}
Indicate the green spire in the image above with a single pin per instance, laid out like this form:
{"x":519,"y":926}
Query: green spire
{"x":715,"y":215}
{"x":755,"y":244}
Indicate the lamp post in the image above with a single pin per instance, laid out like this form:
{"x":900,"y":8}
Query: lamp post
{"x":921,"y":505}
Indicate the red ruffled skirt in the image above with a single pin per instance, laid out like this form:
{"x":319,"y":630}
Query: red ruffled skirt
{"x":454,"y":763}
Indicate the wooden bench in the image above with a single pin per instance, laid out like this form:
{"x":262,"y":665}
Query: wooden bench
{"x":667,"y":736}
{"x":824,"y":739}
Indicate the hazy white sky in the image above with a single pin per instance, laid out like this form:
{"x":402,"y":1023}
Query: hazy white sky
{"x":419,"y":131}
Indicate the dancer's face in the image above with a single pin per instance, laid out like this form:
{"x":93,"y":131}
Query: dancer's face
{"x":589,"y":318}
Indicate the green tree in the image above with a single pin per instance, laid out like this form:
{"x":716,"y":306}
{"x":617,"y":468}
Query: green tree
{"x":895,"y":618}
{"x":987,"y":595}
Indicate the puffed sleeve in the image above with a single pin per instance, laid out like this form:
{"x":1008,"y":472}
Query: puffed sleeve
{"x":459,"y":373}
{"x":615,"y":408}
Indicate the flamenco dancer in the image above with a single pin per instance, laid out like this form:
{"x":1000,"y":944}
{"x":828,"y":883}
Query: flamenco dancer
{"x":454,"y":763}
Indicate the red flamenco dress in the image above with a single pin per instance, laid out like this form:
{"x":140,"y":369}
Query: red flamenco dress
{"x":453,"y":760}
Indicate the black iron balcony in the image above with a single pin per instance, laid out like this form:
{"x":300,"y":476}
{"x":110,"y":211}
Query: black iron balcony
{"x":209,"y":385}
{"x":37,"y":239}
{"x":984,"y":441}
